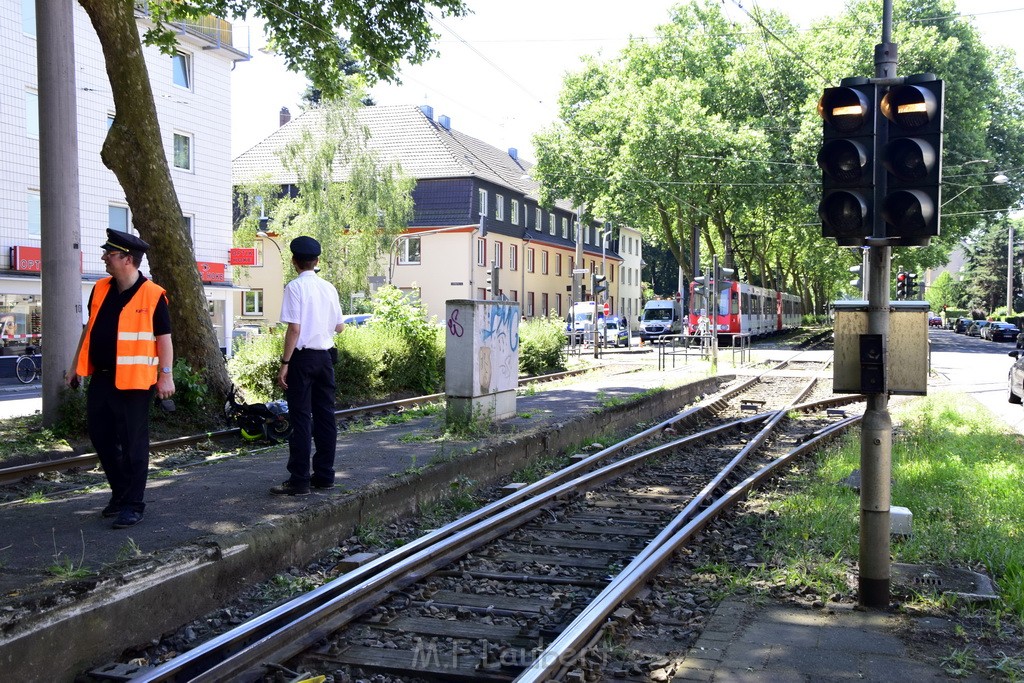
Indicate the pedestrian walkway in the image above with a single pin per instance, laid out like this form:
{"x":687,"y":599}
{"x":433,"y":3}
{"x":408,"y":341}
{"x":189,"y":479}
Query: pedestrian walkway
{"x":753,"y":640}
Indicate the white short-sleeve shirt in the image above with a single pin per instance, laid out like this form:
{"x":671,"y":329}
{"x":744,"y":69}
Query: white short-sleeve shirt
{"x":312,"y":302}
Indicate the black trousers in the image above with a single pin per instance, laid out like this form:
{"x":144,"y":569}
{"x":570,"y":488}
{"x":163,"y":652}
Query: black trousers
{"x":119,"y":428}
{"x":310,"y":397}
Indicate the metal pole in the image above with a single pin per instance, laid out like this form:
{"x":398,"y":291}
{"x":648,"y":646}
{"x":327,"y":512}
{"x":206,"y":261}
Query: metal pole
{"x":713,"y":305}
{"x":60,"y":227}
{"x":1009,"y":268}
{"x":876,"y":429}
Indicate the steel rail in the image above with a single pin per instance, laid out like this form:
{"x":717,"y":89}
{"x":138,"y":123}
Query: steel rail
{"x":224,"y":657}
{"x":566,"y":648}
{"x":16,"y":472}
{"x":199,"y":658}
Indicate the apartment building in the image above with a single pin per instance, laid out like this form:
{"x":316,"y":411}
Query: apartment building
{"x":193,"y":99}
{"x":462,"y":184}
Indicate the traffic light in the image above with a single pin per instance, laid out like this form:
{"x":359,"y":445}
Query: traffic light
{"x":912,"y":289}
{"x":901,"y":285}
{"x":598,"y":284}
{"x":912,"y":159}
{"x":700,"y":285}
{"x":855,"y":282}
{"x":846,"y":160}
{"x":492,"y":280}
{"x":723,"y":274}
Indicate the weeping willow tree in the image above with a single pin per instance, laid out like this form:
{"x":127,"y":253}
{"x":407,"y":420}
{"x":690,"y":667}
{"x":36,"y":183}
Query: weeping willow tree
{"x":354,"y":204}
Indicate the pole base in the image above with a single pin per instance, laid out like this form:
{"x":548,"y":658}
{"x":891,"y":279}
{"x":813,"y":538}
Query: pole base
{"x":873,"y":592}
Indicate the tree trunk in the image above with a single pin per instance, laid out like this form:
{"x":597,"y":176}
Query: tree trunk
{"x":134,"y":151}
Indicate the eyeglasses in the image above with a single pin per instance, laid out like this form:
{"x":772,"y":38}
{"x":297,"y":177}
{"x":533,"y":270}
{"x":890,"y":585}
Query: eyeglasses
{"x":109,"y":252}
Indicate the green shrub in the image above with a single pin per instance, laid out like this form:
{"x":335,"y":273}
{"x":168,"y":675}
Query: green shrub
{"x":255,"y":364}
{"x":399,"y":350}
{"x":541,"y":341}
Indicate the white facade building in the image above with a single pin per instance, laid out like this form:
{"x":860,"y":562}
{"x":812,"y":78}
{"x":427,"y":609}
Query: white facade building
{"x":193,"y":99}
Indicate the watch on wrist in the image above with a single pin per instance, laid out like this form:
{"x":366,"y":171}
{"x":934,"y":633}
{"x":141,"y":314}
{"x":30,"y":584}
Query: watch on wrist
{"x":166,"y":371}
{"x":284,"y":362}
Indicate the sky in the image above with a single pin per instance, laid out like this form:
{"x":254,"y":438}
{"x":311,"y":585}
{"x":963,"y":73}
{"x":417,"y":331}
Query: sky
{"x":500,"y":69}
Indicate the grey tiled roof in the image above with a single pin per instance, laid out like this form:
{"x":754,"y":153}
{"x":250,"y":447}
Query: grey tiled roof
{"x":401,"y":133}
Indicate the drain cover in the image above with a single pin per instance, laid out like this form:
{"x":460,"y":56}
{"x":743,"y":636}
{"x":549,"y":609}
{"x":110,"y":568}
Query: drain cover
{"x":960,"y":582}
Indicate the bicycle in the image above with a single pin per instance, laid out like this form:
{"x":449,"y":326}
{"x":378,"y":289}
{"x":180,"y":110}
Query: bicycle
{"x":27,"y":369}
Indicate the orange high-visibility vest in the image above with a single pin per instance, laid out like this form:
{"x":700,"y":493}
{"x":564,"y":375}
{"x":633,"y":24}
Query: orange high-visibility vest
{"x":137,"y":358}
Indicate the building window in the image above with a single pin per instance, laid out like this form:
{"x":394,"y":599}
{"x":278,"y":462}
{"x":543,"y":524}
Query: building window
{"x":513,"y":257}
{"x":514,"y":212}
{"x":558,"y":264}
{"x":538,"y":219}
{"x":183,"y":151}
{"x":410,"y":251}
{"x":189,"y":223}
{"x":551,"y":224}
{"x":110,"y":120}
{"x":611,"y":272}
{"x":481,"y":252}
{"x":529,"y":260}
{"x":32,"y":114}
{"x":558,"y":304}
{"x":34,"y":214}
{"x":499,"y":207}
{"x":181,"y":65}
{"x":252,"y":302}
{"x":117,"y":218}
{"x":544,"y":262}
{"x":544,"y":303}
{"x":497,"y":254}
{"x":565,"y":228}
{"x":529,"y":304}
{"x":483,"y":201}
{"x":28,"y":17}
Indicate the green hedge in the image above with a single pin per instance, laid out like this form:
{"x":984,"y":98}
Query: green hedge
{"x":398,"y":351}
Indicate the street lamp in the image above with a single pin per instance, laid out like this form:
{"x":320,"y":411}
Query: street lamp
{"x":263,"y":234}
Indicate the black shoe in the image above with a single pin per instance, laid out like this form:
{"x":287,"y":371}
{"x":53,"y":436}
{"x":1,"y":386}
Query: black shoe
{"x":322,"y":486}
{"x":112,"y":510}
{"x":287,"y":488}
{"x":127,"y":518}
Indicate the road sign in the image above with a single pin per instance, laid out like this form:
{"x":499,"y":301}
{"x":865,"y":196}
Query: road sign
{"x":607,"y":309}
{"x":580,"y":271}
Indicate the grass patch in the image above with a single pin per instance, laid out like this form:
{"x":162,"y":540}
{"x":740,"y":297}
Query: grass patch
{"x":956,"y":467}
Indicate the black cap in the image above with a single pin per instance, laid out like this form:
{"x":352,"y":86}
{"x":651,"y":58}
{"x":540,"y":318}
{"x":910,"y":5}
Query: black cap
{"x":123,"y":242}
{"x":305,"y":247}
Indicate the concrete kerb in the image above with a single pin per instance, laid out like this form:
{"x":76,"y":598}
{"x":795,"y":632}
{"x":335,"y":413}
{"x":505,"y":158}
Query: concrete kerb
{"x":161,"y":594}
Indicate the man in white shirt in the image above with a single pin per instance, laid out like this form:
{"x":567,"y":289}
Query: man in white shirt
{"x":313,"y":314}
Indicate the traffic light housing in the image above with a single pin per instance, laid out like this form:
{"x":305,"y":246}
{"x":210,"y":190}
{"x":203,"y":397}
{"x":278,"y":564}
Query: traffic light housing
{"x":700,"y":285}
{"x":901,"y":285}
{"x":856,"y":281}
{"x":492,"y":280}
{"x":847,"y":163}
{"x":598,"y":284}
{"x":912,"y":159}
{"x":912,"y":286}
{"x":723,"y":274}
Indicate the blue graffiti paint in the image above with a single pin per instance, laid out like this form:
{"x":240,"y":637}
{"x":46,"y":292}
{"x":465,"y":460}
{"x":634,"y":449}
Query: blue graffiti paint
{"x":501,"y":321}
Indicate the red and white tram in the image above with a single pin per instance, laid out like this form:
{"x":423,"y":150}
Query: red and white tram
{"x":745,"y":309}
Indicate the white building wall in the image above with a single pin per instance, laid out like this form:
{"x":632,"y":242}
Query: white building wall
{"x":631,"y":251}
{"x":203,"y":111}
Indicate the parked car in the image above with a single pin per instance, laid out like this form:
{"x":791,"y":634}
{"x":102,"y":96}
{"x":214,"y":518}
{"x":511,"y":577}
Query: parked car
{"x":961,"y":325}
{"x":1000,"y":331}
{"x":356,"y":320}
{"x":934,"y":320}
{"x":612,"y":332}
{"x":1015,"y":380}
{"x":975,"y":329}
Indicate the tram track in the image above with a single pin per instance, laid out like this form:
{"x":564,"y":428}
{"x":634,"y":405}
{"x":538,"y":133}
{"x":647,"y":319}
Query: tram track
{"x":344,"y":417}
{"x":366,"y":597}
